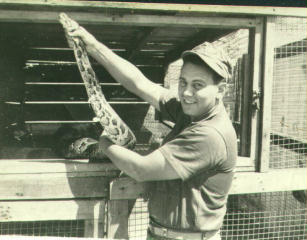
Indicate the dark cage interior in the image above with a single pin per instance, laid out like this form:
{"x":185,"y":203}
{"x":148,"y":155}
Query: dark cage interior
{"x":43,"y":98}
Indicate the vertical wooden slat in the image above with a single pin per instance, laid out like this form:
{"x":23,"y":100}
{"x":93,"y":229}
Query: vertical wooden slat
{"x":245,"y":110}
{"x":255,"y":48}
{"x":118,"y":219}
{"x":267,"y":82}
{"x":94,"y":227}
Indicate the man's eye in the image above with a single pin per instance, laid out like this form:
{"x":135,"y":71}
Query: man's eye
{"x":198,"y":85}
{"x":182,"y":83}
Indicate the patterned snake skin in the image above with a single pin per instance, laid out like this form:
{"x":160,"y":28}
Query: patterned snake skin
{"x":114,"y":127}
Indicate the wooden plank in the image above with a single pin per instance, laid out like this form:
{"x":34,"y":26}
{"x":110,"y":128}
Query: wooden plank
{"x":246,"y":105}
{"x":115,"y":94}
{"x":94,"y":226}
{"x":52,"y":56}
{"x":79,"y":102}
{"x":255,"y":49}
{"x":127,"y":19}
{"x":68,"y":84}
{"x":118,"y":219}
{"x":81,"y":111}
{"x":35,"y":63}
{"x":273,"y":181}
{"x":126,"y":188}
{"x":267,"y":85}
{"x":58,"y":165}
{"x":52,"y":186}
{"x":244,"y":162}
{"x":160,"y":7}
{"x":70,"y":73}
{"x":45,"y":210}
{"x":243,"y":183}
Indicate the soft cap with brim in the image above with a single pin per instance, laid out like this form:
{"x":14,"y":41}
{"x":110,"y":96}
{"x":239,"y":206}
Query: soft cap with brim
{"x":214,"y":57}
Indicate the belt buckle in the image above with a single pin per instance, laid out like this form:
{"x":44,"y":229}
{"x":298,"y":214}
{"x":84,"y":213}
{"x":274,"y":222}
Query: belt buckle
{"x":164,"y":232}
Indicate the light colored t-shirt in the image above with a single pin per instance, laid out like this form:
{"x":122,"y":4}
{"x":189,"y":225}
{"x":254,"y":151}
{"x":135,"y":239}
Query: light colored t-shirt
{"x":203,"y":153}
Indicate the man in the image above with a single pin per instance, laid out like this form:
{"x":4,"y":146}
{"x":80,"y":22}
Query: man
{"x":191,"y":173}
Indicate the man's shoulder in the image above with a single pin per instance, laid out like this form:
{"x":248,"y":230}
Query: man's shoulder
{"x":220,"y":124}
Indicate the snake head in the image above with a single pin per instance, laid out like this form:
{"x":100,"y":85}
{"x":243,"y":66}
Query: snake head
{"x":69,"y":25}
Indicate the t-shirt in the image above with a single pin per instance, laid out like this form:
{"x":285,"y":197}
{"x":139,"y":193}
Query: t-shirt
{"x":203,"y":153}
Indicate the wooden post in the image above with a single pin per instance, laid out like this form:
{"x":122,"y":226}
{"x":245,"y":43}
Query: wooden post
{"x":255,"y":48}
{"x":245,"y":110}
{"x":118,"y":219}
{"x":94,"y":227}
{"x":267,"y":82}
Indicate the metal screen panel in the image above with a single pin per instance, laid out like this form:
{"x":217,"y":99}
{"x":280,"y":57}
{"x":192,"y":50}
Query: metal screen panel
{"x":138,"y":221}
{"x":274,"y":215}
{"x":73,"y":228}
{"x":289,"y":94}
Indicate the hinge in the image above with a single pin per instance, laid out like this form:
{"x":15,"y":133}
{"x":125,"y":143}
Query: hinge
{"x":256,"y":101}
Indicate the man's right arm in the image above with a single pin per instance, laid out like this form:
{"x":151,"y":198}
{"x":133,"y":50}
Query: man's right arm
{"x":121,"y":70}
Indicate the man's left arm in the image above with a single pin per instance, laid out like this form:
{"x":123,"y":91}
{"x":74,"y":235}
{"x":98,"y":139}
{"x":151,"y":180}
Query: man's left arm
{"x":152,"y":167}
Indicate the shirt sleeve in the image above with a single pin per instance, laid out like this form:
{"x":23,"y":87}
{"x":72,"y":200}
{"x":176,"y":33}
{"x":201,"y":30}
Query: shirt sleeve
{"x":169,"y":106}
{"x":195,"y":150}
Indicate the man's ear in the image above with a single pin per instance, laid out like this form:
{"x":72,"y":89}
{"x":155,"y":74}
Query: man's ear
{"x":221,"y":89}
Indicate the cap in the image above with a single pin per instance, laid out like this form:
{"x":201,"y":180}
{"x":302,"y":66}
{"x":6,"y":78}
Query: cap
{"x":214,"y":57}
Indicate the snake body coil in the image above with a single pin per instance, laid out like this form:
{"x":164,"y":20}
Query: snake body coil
{"x":114,"y":127}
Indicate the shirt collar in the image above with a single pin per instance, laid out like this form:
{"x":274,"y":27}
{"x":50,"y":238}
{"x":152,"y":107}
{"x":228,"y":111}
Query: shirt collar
{"x":213,"y":111}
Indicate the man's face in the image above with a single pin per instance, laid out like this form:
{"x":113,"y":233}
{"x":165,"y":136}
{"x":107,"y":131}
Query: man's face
{"x":197,"y":90}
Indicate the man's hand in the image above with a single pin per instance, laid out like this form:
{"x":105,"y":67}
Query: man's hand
{"x":88,"y":39}
{"x":74,"y":30}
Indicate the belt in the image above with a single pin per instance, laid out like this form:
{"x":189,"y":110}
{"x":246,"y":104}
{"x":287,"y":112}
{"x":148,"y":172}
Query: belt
{"x":169,"y":233}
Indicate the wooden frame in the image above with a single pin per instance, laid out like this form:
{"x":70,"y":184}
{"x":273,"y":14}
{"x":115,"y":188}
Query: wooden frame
{"x":126,"y":19}
{"x":267,"y":82}
{"x":255,"y":24}
{"x":91,"y":211}
{"x":56,"y":189}
{"x":28,"y":195}
{"x":85,"y":189}
{"x":293,"y":179}
{"x":184,"y":8}
{"x":255,"y":49}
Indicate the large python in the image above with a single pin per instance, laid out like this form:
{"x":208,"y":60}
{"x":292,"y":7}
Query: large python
{"x":113,"y":126}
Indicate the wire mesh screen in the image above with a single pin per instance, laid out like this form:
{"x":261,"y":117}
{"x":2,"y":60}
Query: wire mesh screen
{"x":289,"y":94}
{"x":73,"y":228}
{"x":275,"y":215}
{"x":138,"y":220}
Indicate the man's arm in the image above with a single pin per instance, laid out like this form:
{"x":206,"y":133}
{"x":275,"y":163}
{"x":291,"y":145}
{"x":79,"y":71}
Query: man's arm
{"x":120,"y":69}
{"x":152,"y":167}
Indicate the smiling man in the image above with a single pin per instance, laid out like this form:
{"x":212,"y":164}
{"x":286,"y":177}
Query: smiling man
{"x":190,"y":174}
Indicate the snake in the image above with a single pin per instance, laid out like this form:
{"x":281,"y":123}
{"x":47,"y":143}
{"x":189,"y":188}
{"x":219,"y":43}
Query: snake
{"x":113,"y":126}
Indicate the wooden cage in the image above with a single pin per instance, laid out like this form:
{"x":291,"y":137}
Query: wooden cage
{"x":41,"y":92}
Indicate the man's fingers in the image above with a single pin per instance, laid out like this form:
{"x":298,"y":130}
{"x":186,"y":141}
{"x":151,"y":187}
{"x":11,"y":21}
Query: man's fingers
{"x":67,"y":22}
{"x":78,"y":32}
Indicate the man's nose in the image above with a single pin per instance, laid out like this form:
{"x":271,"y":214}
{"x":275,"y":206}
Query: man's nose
{"x":188,"y":91}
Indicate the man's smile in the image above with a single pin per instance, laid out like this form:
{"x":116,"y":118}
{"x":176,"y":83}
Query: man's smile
{"x":188,"y":101}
